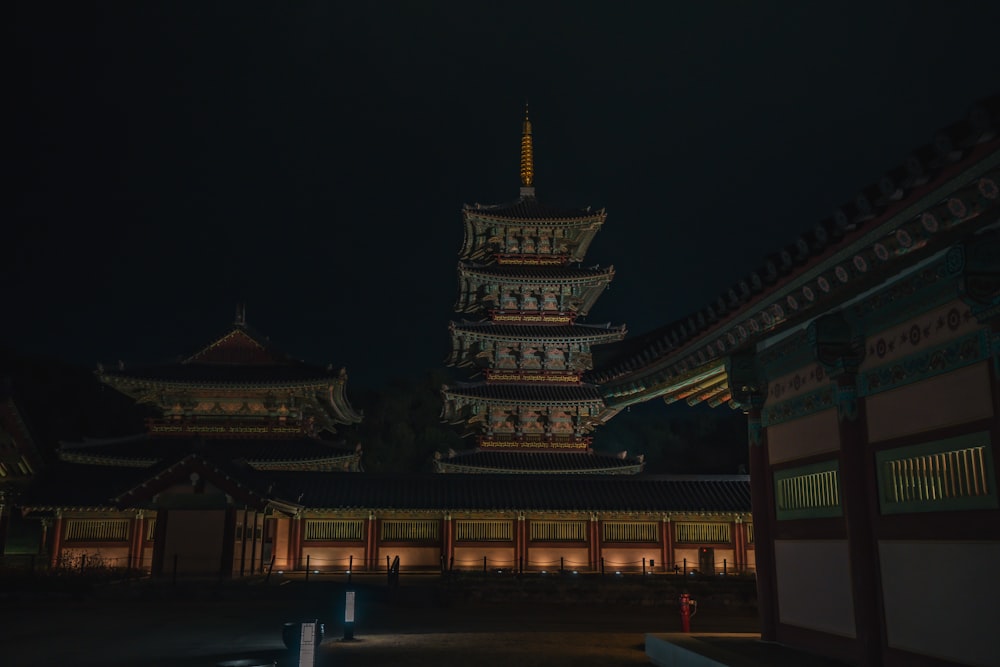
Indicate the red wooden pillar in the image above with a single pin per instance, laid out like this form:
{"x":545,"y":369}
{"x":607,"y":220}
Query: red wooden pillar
{"x":135,"y":548}
{"x":595,"y":541}
{"x":296,"y":540}
{"x":449,"y":542}
{"x":739,"y":546}
{"x":520,"y":542}
{"x":57,"y":530}
{"x":256,"y":546}
{"x":371,"y":543}
{"x":761,"y":498}
{"x":666,"y":544}
{"x":857,"y":486}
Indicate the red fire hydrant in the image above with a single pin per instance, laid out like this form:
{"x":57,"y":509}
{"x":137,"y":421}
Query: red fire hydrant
{"x":688,"y":609}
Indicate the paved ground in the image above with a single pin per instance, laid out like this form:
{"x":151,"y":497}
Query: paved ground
{"x":415,"y":627}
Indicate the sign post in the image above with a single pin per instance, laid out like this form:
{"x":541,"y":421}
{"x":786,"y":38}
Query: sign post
{"x":349,"y":616}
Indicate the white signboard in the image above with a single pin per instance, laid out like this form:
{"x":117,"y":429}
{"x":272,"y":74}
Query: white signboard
{"x":349,"y":609}
{"x":307,"y":648}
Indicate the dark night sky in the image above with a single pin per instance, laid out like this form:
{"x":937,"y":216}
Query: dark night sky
{"x":311,"y":159}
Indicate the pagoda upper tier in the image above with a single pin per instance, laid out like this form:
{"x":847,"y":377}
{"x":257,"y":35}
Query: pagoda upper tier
{"x":238,"y":385}
{"x":517,"y":290}
{"x":528,"y":232}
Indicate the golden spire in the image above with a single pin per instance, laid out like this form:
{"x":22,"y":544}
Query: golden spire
{"x":527,"y":158}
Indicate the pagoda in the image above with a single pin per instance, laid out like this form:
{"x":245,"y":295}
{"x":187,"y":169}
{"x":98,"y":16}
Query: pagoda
{"x":524,"y":292}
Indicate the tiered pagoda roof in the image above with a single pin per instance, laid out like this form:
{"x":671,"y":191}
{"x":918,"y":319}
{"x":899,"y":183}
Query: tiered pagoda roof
{"x":520,"y":268}
{"x":528,"y":208}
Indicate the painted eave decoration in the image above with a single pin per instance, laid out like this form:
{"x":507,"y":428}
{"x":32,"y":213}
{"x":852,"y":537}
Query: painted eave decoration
{"x":946,"y":188}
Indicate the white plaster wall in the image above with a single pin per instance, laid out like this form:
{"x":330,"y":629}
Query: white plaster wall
{"x":471,"y":558}
{"x":282,"y":535}
{"x":814,"y":434}
{"x":334,"y":559}
{"x":814,"y":585}
{"x":547,"y":558}
{"x":952,"y":398}
{"x":410,"y":557}
{"x":727,"y":555}
{"x":690,"y":554}
{"x":630,"y":558}
{"x":941,"y":599}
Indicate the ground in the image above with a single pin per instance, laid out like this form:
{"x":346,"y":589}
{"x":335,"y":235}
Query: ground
{"x":422,"y":623}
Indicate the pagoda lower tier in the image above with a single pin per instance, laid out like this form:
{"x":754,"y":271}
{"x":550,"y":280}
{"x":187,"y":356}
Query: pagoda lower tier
{"x":520,"y":416}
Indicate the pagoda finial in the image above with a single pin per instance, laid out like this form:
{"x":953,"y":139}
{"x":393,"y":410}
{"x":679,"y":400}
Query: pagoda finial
{"x":527,"y":157}
{"x":241,"y":314}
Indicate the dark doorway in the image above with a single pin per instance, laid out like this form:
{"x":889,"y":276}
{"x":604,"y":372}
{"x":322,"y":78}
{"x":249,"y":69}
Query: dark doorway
{"x":706,"y":560}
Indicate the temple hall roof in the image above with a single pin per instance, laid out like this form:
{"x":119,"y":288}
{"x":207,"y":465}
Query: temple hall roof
{"x":433,"y":491}
{"x":119,"y":487}
{"x":146,"y":450}
{"x":240,"y":356}
{"x":225,"y":374}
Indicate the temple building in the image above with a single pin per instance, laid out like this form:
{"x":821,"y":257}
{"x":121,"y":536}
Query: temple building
{"x":522,"y":285}
{"x":244,"y":468}
{"x":232,"y":412}
{"x":866,"y":355}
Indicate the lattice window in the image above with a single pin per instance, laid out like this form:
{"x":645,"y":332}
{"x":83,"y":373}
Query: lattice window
{"x":630,"y":531}
{"x":749,"y":532}
{"x":253,"y":531}
{"x":150,"y":530}
{"x":558,"y":531}
{"x":97,"y":530}
{"x":484,"y":531}
{"x":811,"y":491}
{"x":335,"y":530}
{"x":416,"y":530}
{"x":952,"y":474}
{"x":703,"y":533}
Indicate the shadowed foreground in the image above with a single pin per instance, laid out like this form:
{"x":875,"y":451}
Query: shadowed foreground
{"x":419,"y":624}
